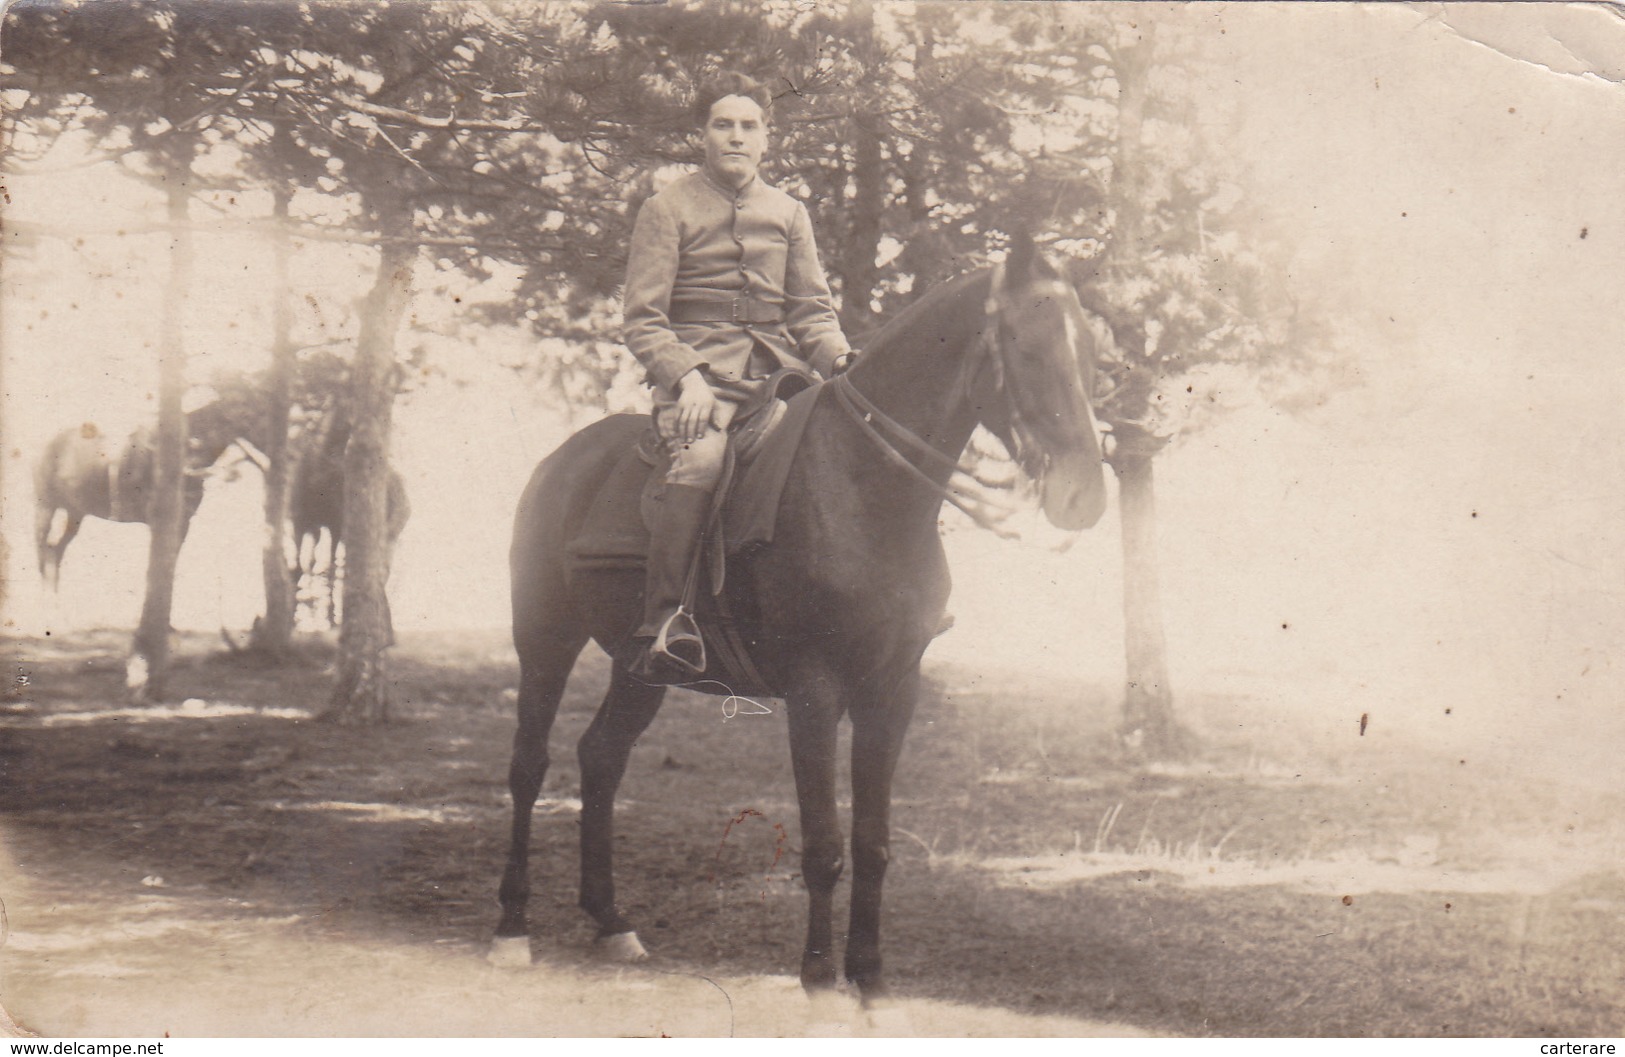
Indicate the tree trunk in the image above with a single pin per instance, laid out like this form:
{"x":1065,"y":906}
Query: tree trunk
{"x":361,"y":694}
{"x":1133,"y":69}
{"x":273,"y":632}
{"x":6,"y":513}
{"x":1149,"y":726}
{"x":859,"y":272}
{"x":925,"y":254}
{"x":147,"y":672}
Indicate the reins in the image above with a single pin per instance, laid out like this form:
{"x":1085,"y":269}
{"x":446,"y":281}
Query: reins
{"x":985,"y":510}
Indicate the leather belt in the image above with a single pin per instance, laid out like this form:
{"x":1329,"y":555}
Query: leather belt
{"x":742,"y":310}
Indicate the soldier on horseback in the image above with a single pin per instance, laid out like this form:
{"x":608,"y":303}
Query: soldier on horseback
{"x":723,"y":288}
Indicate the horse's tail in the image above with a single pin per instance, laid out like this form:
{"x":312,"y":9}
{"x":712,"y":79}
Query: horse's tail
{"x":398,"y":507}
{"x":48,"y":464}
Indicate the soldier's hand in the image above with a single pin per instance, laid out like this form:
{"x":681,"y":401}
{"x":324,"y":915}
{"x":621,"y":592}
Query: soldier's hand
{"x":696,"y":403}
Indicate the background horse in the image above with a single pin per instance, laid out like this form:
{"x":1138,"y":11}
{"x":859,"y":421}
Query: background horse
{"x":84,"y":473}
{"x":838,"y":609}
{"x":316,"y":504}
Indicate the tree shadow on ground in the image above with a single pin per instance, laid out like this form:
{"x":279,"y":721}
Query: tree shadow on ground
{"x":235,"y":802}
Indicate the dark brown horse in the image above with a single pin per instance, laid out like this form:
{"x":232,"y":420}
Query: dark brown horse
{"x":839,"y":608}
{"x":316,"y":504}
{"x":85,"y":473}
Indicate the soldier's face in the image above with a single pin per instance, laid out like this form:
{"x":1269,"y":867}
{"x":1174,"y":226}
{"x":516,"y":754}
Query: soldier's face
{"x":735,"y":139}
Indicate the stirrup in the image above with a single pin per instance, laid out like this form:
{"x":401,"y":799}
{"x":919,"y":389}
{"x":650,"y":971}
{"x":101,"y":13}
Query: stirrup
{"x":680,"y":643}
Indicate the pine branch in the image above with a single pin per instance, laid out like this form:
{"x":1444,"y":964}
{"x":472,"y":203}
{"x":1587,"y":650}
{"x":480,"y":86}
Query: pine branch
{"x":450,"y":121}
{"x":309,"y":232}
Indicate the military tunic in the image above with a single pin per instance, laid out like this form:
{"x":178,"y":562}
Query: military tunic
{"x":698,"y":241}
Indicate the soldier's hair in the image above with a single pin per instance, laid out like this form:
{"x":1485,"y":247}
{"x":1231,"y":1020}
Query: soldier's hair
{"x":730,"y":83}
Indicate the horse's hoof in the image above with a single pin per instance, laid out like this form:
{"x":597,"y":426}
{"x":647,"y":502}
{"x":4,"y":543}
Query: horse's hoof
{"x":620,"y":947}
{"x":510,"y":952}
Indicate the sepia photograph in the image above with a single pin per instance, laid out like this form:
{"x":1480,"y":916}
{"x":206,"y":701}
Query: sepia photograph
{"x":861,"y":519}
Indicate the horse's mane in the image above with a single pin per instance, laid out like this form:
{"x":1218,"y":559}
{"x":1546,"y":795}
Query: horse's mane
{"x":935,"y":306}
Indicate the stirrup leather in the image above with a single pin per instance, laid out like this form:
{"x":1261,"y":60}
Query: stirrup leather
{"x":672,"y":633}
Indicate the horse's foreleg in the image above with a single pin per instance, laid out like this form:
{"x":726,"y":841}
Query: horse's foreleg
{"x":628,"y":709}
{"x":877,"y":741}
{"x":813,"y":722}
{"x":543,"y":669}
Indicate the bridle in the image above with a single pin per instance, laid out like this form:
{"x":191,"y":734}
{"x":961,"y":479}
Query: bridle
{"x":971,"y":495}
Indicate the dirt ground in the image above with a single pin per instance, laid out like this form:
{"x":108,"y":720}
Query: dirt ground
{"x":225,"y":865}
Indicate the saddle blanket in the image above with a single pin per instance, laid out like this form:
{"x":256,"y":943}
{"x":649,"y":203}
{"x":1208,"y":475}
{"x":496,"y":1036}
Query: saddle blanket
{"x":615,"y":534}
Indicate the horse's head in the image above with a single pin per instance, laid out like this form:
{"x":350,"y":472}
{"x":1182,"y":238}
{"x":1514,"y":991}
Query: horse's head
{"x":1035,"y":385}
{"x":238,"y":411}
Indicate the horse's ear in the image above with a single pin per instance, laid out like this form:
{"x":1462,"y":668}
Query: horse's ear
{"x":1018,"y":263}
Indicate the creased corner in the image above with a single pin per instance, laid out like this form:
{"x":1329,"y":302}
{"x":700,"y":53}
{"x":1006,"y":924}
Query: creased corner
{"x":1573,"y":40}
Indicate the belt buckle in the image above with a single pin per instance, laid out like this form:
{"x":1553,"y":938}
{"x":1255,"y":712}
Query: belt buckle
{"x":734,"y":308}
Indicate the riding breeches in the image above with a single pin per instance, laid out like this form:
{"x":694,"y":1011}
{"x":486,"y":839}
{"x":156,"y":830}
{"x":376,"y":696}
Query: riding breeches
{"x":695,"y":463}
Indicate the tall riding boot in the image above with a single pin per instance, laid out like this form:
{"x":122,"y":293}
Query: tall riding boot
{"x":668,"y":644}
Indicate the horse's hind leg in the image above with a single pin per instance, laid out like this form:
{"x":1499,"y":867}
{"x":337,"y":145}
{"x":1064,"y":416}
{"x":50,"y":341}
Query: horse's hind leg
{"x":44,"y":514}
{"x":628,"y":709}
{"x":51,"y":550}
{"x":545,"y":660}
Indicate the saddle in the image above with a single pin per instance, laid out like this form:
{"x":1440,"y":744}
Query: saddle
{"x":614,"y":535}
{"x":129,"y":478}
